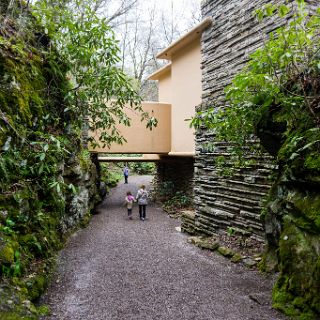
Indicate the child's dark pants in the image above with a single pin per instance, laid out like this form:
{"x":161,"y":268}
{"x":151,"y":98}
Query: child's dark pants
{"x":142,"y":211}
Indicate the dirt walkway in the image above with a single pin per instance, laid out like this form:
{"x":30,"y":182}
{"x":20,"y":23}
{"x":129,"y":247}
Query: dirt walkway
{"x":145,"y":270}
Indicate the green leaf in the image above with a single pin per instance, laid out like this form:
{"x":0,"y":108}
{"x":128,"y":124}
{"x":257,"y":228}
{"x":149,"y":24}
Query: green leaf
{"x":283,"y":10}
{"x":259,"y":14}
{"x":270,"y":9}
{"x":294,"y":155}
{"x":88,"y":47}
{"x":72,"y":188}
{"x":17,"y":254}
{"x":10,"y":223}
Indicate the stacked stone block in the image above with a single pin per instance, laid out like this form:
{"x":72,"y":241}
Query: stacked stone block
{"x":224,"y":202}
{"x":178,"y":171}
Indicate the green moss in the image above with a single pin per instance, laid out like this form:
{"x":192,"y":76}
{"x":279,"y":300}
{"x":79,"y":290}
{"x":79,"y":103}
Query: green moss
{"x":293,"y":307}
{"x":26,"y":94}
{"x":44,"y":310}
{"x":31,"y":242}
{"x":85,"y":220}
{"x":15,"y":316}
{"x":14,"y":302}
{"x":36,"y":286}
{"x":280,"y":298}
{"x":312,"y":161}
{"x":269,"y":262}
{"x":309,"y":208}
{"x":225,"y":251}
{"x":6,"y":254}
{"x":85,"y":160}
{"x":296,"y":292}
{"x":237,"y":258}
{"x":208,"y":243}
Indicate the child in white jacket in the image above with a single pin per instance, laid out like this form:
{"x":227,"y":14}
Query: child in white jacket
{"x":142,"y":198}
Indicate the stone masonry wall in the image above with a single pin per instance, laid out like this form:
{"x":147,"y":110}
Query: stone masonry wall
{"x":178,"y":171}
{"x":229,"y":202}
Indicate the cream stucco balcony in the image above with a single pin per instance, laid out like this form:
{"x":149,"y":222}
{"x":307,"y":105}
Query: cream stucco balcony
{"x":140,"y":139}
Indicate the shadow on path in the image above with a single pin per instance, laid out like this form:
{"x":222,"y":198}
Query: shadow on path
{"x":145,"y":270}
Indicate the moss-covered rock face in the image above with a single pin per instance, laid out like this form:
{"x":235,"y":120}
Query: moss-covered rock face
{"x":299,"y":254}
{"x":47,"y":180}
{"x":292,"y":222}
{"x":6,"y":254}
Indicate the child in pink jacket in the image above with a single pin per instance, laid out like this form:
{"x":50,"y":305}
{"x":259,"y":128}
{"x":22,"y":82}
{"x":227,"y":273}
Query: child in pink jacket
{"x":129,"y":199}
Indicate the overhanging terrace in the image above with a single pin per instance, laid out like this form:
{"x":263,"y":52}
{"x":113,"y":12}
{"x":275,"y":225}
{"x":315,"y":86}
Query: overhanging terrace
{"x":179,"y":93}
{"x":139,"y":139}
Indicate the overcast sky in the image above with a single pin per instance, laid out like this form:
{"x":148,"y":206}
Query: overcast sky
{"x":183,"y":10}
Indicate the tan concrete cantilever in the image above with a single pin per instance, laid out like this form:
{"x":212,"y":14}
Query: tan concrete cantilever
{"x":160,"y":72}
{"x":185,"y":40}
{"x":139,"y":138}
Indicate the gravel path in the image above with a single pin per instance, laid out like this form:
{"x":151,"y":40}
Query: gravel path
{"x":145,"y":270}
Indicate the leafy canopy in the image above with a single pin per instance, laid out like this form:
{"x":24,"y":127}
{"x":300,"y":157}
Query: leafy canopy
{"x":101,"y":91}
